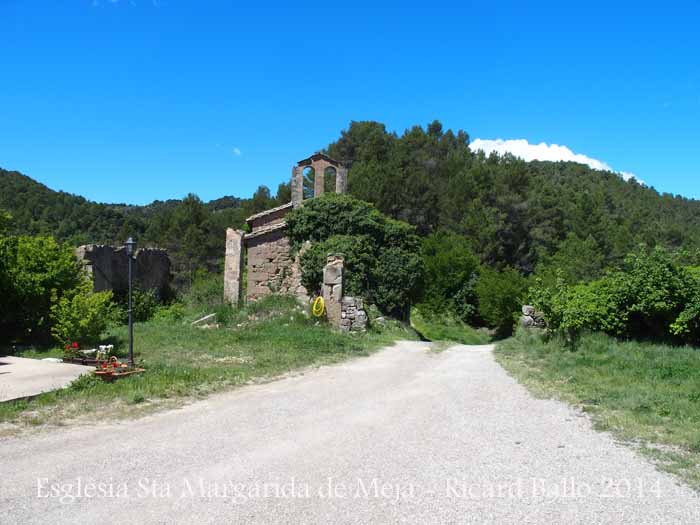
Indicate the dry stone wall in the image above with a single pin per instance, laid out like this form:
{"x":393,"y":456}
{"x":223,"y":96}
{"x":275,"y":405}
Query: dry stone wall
{"x":352,"y":314}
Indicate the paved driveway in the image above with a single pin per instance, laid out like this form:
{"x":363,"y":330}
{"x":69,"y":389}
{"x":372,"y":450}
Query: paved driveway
{"x":20,"y":377}
{"x":405,"y":435}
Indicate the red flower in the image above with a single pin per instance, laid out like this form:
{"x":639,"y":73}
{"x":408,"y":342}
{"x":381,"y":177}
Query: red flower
{"x":75,"y":345}
{"x":67,"y":347}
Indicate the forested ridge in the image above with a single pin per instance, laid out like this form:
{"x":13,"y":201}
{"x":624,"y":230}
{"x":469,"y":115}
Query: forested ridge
{"x":514,"y":213}
{"x":511,"y":212}
{"x":191,"y":230}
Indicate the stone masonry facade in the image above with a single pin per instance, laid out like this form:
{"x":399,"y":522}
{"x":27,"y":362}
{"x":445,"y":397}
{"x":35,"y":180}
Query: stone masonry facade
{"x":271,"y":267}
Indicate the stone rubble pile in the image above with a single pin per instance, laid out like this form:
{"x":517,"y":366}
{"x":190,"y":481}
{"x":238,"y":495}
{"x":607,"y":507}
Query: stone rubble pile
{"x":531,"y":318}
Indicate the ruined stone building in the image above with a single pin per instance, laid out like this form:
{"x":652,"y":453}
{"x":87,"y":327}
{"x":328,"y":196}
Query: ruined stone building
{"x":270,"y":266}
{"x":108,"y":269}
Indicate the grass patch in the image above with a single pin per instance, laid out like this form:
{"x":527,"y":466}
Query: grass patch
{"x":266,"y":339}
{"x":445,"y":329}
{"x":645,"y":394}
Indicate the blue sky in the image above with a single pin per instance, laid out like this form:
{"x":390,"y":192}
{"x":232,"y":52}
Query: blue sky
{"x":131,"y":101}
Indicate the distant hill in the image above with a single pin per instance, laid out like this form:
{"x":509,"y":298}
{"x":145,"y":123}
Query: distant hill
{"x":37,"y":209}
{"x":191,"y":230}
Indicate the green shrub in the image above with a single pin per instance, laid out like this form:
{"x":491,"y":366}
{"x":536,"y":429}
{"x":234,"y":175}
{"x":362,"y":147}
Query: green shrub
{"x":451,"y":271}
{"x":171,"y":312}
{"x":225,"y":314}
{"x":359,"y":258}
{"x":694,"y":272}
{"x":687,"y":324}
{"x":651,"y":297}
{"x":144,"y":305}
{"x":33,"y":270}
{"x":134,"y":398}
{"x":397,"y":277}
{"x":576,"y":260}
{"x":501,"y":295}
{"x":659,"y":290}
{"x":206,"y":293}
{"x":597,"y":306}
{"x":572,"y":309}
{"x":549,"y":298}
{"x":382,"y":255}
{"x":333,"y":214}
{"x":81,"y":316}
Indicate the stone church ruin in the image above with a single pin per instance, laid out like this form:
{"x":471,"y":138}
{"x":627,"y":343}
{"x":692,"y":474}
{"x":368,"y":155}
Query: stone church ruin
{"x":271,"y":268}
{"x":108,"y":268}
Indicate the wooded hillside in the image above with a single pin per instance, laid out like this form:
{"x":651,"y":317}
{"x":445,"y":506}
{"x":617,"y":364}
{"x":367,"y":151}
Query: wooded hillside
{"x":512,"y":212}
{"x":191,"y":230}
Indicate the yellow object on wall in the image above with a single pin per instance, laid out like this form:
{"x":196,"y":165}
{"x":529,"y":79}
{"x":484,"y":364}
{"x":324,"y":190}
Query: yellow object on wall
{"x":318,"y":306}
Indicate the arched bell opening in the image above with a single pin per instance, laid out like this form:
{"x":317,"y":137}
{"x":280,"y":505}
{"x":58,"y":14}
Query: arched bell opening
{"x":309,"y":178}
{"x":329,"y":176}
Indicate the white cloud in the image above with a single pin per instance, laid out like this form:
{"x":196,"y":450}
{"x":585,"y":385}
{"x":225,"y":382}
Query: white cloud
{"x":554,"y":152}
{"x":237,"y":152}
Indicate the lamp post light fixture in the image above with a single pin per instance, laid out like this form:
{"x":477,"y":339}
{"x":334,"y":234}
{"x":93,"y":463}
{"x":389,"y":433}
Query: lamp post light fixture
{"x":130,"y":250}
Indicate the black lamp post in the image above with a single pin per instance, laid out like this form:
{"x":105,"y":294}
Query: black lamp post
{"x":130,"y":249}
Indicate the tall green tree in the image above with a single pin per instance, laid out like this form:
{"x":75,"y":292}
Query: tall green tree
{"x":34,"y":273}
{"x":451,"y":272}
{"x":576,"y":260}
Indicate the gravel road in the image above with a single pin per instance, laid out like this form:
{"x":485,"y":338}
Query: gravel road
{"x":406,"y":435}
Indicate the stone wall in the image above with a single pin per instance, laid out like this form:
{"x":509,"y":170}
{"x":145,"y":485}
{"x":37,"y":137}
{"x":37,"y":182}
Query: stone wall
{"x":352,"y":314}
{"x":107,"y":266}
{"x":268,"y":218}
{"x":271,"y":268}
